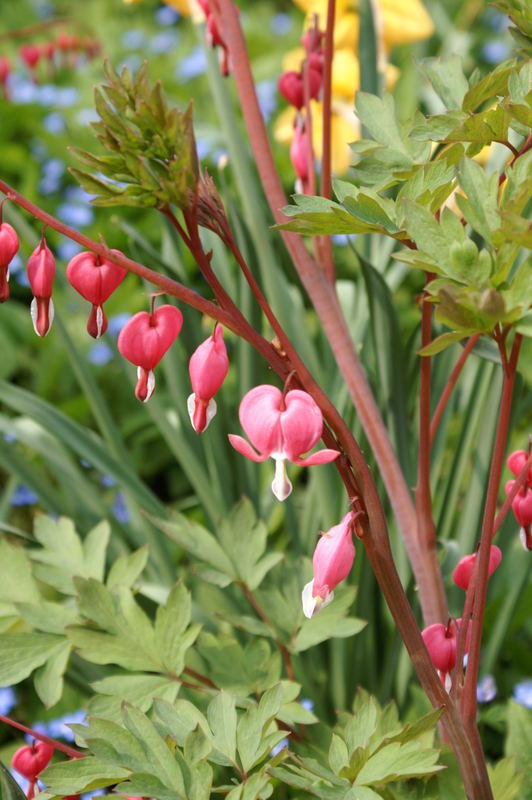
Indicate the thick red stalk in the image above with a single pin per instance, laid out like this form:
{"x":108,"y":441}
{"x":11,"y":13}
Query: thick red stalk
{"x":449,"y":386}
{"x":63,"y":748}
{"x":326,"y":188}
{"x":426,"y":529}
{"x":469,"y":699}
{"x":330,"y":314}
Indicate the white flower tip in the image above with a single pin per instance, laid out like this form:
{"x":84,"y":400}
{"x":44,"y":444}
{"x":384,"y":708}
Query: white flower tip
{"x":34,"y":312}
{"x":313,"y":605}
{"x":99,"y":321}
{"x":150,"y":386}
{"x":210,"y":411}
{"x":281,"y":486}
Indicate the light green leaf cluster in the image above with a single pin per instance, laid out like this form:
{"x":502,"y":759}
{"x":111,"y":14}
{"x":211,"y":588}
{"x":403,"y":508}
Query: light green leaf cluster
{"x":368,"y":750}
{"x":418,"y":183}
{"x":153,"y":159}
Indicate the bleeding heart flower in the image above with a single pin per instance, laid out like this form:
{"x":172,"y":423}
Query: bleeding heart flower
{"x":208,"y":367}
{"x":9,"y":245}
{"x":292,"y":86}
{"x":281,"y":427}
{"x":144,"y":340}
{"x":30,"y":760}
{"x":521,"y":504}
{"x":332,"y":562}
{"x":464,"y":568}
{"x":41,"y":271}
{"x":299,"y":154}
{"x":95,"y":279}
{"x":30,"y":55}
{"x":516,"y":461}
{"x":440,"y":641}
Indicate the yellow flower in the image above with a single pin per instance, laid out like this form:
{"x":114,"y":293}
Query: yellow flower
{"x":187,"y":8}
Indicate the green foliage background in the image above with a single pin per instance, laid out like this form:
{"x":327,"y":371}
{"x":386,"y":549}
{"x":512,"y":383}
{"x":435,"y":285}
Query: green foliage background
{"x":76,"y":422}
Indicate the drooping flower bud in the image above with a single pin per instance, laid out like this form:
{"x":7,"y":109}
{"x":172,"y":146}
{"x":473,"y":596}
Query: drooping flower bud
{"x":41,"y":271}
{"x":283,"y":427}
{"x":332,"y":562}
{"x":5,"y":69}
{"x":292,"y":86}
{"x":9,"y":245}
{"x":30,"y":760}
{"x":299,"y":154}
{"x":30,"y":55}
{"x":208,"y":367}
{"x":95,"y":279}
{"x":464,"y":568}
{"x":516,"y":461}
{"x":144,"y":340}
{"x":440,"y":641}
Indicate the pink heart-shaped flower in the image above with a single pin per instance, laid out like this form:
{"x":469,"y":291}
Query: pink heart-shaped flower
{"x":93,"y":277}
{"x":32,"y":759}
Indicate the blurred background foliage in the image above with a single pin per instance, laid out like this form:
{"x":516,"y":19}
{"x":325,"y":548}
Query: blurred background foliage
{"x":76,"y":442}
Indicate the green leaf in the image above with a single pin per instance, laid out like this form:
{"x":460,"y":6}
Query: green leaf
{"x":48,"y":680}
{"x":221,"y":715}
{"x":519,"y":741}
{"x":195,"y":539}
{"x":425,"y":231}
{"x":338,"y":755}
{"x":329,"y":623}
{"x":197,"y":746}
{"x":21,"y":653}
{"x":506,"y":783}
{"x":127,"y":568}
{"x":442,"y":342}
{"x":138,"y":690}
{"x":17,"y":582}
{"x":9,"y":789}
{"x":480,"y":204}
{"x":396,"y":761}
{"x":162,"y":763}
{"x":447,"y":79}
{"x":171,"y":636}
{"x":145,"y":785}
{"x":81,"y":775}
{"x":493,"y":84}
{"x":361,"y":726}
{"x":378,"y":117}
{"x":95,"y":549}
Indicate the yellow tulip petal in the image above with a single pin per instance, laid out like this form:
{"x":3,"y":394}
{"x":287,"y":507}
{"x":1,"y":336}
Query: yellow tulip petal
{"x":345,"y":74}
{"x":344,"y":129}
{"x":293,"y":59}
{"x":283,"y":130}
{"x":346,"y":32}
{"x":187,"y":8}
{"x":405,"y":21}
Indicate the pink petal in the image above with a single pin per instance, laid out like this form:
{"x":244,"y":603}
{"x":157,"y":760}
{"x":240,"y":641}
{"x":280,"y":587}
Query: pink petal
{"x":464,"y":568}
{"x":516,"y":461}
{"x":321,"y":457}
{"x":41,"y":271}
{"x":245,"y":448}
{"x":442,"y":648}
{"x":259,"y":415}
{"x":145,"y":338}
{"x":522,"y":508}
{"x":208,"y":365}
{"x":301,"y":423}
{"x":93,"y":277}
{"x":333,"y":557}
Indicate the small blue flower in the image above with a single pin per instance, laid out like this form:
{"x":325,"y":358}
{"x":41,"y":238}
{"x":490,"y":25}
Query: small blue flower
{"x":120,"y":509}
{"x":164,"y":42}
{"x":499,"y":22}
{"x":67,"y":250}
{"x":15,"y":265}
{"x":278,"y":747}
{"x":58,"y":727}
{"x":307,"y":703}
{"x":47,"y":94}
{"x":108,"y":481}
{"x":340,"y":239}
{"x":100,"y":354}
{"x":38,"y":727}
{"x":203,"y":148}
{"x":38,"y":149}
{"x":486,"y":689}
{"x":193,"y":65}
{"x":132,"y":62}
{"x":133,"y":40}
{"x":54,"y":123}
{"x":87,"y":115}
{"x":22,"y":279}
{"x":10,"y":437}
{"x":67,"y":97}
{"x":20,"y":780}
{"x":267,"y":97}
{"x":75,"y":215}
{"x":281,"y":24}
{"x":166,"y":15}
{"x":495,"y":51}
{"x":85,"y":464}
{"x":522,"y":693}
{"x":22,"y":496}
{"x":8,"y":700}
{"x":117,"y":322}
{"x":77,"y":194}
{"x":22,"y":90}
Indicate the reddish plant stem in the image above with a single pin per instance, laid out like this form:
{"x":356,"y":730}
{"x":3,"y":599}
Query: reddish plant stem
{"x":469,"y":705}
{"x":326,"y":189}
{"x":64,"y":748}
{"x":523,"y":149}
{"x":449,"y":386}
{"x":199,"y":677}
{"x":331,"y":317}
{"x":171,"y":287}
{"x":311,"y":180}
{"x":285,"y":654}
{"x":31,"y":30}
{"x":518,"y":484}
{"x":426,"y":529}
